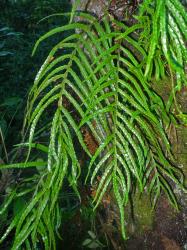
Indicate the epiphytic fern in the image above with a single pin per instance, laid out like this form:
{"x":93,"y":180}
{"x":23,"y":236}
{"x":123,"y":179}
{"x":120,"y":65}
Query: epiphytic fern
{"x":165,"y":41}
{"x":99,"y":70}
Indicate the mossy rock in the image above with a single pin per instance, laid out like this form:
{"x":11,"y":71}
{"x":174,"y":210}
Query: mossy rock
{"x":142,"y":215}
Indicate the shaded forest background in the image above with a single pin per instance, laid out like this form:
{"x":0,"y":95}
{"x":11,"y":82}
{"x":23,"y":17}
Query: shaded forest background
{"x":20,"y":27}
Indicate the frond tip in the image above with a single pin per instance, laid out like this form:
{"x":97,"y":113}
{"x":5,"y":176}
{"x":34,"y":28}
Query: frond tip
{"x":99,"y":80}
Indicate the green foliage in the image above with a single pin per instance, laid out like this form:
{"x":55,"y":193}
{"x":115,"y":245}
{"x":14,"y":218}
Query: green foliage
{"x":92,"y":242}
{"x":97,"y":77}
{"x":7,"y":106}
{"x":19,"y":28}
{"x":167,"y":48}
{"x":4,"y":33}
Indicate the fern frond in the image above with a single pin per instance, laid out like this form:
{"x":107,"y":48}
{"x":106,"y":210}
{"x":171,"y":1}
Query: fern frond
{"x":96,"y":77}
{"x":168,"y":21}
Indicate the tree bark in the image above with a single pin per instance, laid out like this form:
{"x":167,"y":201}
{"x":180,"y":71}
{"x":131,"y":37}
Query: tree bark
{"x":97,"y":7}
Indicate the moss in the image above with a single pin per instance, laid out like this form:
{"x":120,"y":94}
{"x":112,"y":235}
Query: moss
{"x":162,"y":87}
{"x":143,"y":215}
{"x":182,"y":159}
{"x":143,"y":212}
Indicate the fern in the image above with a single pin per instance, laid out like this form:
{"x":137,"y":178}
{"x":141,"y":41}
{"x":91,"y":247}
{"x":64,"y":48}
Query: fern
{"x":102,"y":68}
{"x":167,"y":52}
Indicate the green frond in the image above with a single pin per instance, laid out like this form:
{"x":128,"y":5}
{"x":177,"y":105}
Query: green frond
{"x":100,"y":81}
{"x":167,"y":37}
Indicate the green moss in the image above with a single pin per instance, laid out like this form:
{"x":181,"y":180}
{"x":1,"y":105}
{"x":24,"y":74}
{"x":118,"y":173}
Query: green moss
{"x":143,"y":215}
{"x":143,"y":212}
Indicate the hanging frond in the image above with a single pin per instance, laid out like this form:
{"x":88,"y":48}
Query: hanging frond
{"x":167,"y":35}
{"x":96,"y":78}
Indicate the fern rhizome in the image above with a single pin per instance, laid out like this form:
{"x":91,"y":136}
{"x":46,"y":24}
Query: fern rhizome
{"x":98,"y":78}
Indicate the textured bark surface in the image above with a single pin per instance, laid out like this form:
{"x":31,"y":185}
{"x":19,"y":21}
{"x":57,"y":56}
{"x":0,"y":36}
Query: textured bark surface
{"x":97,"y":7}
{"x":119,"y":8}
